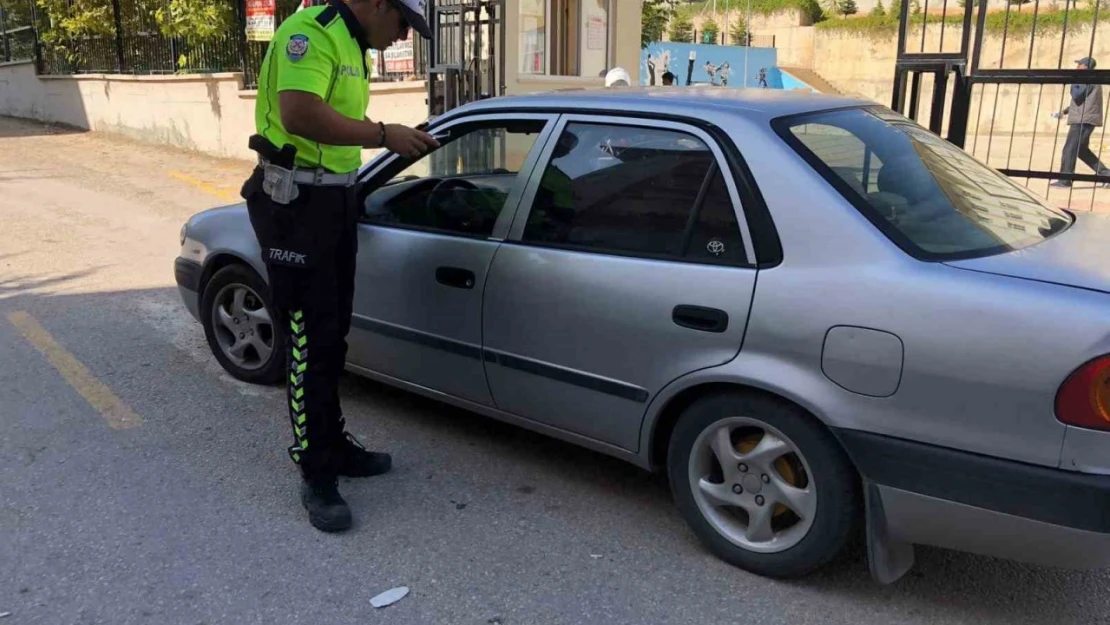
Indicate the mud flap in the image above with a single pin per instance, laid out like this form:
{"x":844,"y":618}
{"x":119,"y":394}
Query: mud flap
{"x":888,"y":558}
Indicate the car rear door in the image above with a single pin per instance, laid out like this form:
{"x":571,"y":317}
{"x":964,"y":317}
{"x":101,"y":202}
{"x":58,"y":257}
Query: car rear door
{"x":425,"y":244}
{"x":628,"y":265}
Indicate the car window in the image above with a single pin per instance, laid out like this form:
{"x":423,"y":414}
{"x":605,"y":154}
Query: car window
{"x":461,"y":187}
{"x":632,"y":190}
{"x":849,"y":158}
{"x":929,"y":196}
{"x":716,"y":235}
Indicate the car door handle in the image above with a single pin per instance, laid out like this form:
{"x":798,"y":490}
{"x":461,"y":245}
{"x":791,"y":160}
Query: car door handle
{"x":700,"y":318}
{"x":455,"y":277}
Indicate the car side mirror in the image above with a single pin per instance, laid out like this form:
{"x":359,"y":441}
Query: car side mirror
{"x":375,"y":207}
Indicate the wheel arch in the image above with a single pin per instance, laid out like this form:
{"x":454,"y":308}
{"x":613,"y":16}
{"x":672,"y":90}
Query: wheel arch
{"x":219,"y":260}
{"x":662,"y":426}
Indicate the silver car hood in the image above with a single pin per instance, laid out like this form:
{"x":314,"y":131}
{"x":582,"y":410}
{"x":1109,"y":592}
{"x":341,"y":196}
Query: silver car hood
{"x":1079,"y":257}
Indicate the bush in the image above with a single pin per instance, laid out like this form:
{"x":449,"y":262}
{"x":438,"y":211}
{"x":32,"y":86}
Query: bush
{"x":809,"y":8}
{"x":996,"y":22}
{"x":682,"y":30}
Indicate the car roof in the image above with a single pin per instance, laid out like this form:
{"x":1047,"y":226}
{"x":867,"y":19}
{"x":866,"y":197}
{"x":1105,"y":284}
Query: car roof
{"x":754,"y":104}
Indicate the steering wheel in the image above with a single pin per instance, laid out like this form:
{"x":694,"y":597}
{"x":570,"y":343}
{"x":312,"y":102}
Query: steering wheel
{"x":447,"y":183}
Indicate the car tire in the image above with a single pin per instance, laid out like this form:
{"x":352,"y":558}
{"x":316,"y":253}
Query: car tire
{"x":249,"y":320}
{"x":813,"y":474}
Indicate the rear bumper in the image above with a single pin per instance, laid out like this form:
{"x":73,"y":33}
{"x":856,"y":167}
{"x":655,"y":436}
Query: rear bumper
{"x":979,"y":504}
{"x":187,"y":274}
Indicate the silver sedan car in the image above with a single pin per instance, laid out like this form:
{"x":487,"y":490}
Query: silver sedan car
{"x":821,"y":320}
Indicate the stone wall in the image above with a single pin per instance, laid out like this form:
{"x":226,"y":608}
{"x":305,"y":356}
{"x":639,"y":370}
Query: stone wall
{"x":209,"y":113}
{"x":863,"y":66}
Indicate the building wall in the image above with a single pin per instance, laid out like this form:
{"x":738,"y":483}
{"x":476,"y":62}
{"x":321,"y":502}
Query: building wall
{"x":624,"y":33}
{"x":213,"y":114}
{"x":208,"y":113}
{"x":863,"y":66}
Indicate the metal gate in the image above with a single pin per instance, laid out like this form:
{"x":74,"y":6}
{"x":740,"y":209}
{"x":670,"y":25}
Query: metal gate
{"x":994,"y":75}
{"x":466,"y":59}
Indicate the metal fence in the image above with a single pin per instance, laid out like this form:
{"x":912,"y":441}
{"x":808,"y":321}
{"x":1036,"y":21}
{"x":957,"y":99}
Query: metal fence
{"x":728,"y":39}
{"x":129,"y":41}
{"x":17,"y":37}
{"x":993,"y":80}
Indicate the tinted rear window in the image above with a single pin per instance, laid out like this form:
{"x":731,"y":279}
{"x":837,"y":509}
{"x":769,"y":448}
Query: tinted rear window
{"x":929,"y":196}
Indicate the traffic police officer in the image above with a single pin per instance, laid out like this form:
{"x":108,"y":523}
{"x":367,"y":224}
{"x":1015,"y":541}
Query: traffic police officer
{"x":310,"y":117}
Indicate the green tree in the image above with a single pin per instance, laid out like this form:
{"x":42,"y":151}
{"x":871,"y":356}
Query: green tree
{"x":195,"y":19}
{"x":67,"y":26}
{"x":682,"y":30}
{"x":738,"y":32}
{"x":879,"y":11}
{"x":846,"y":7}
{"x":653,"y":21}
{"x":710,"y":29}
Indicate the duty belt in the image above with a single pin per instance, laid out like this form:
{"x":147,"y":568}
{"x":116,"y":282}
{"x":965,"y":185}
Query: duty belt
{"x":315,"y":177}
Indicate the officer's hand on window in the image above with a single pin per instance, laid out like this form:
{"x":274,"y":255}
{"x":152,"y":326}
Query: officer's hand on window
{"x":408,"y":141}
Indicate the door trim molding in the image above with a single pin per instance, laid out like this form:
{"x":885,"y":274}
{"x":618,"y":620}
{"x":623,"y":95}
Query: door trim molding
{"x":597,"y":383}
{"x":459,"y":348}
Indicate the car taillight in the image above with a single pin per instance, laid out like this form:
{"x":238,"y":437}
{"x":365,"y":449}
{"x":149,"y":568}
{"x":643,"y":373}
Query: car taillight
{"x":1084,"y":398}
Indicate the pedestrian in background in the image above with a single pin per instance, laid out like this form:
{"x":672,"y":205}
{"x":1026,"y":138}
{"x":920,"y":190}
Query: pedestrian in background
{"x":1084,"y":115}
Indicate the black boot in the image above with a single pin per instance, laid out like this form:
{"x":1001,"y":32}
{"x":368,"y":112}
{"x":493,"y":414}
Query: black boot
{"x":353,"y":460}
{"x":327,"y":511}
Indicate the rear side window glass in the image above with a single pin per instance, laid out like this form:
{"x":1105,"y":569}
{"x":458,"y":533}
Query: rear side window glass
{"x":716,"y":235}
{"x":633,"y":190}
{"x":930,"y":197}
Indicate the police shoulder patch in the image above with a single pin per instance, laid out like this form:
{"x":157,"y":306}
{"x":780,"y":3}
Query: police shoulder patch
{"x":297,"y":47}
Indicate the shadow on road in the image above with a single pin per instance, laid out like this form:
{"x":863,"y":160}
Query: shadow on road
{"x":21,"y":284}
{"x":11,"y":127}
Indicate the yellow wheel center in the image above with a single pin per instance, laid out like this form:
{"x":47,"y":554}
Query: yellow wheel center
{"x":784,"y":468}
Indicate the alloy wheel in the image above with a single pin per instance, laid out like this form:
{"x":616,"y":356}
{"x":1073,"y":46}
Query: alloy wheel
{"x":752,"y":484}
{"x":242,"y":325}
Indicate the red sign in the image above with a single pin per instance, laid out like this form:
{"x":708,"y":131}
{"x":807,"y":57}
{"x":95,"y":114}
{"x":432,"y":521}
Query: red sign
{"x":260,"y":20}
{"x":399,"y":57}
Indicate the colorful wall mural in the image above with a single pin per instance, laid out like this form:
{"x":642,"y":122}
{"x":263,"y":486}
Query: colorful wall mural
{"x":719,"y":66}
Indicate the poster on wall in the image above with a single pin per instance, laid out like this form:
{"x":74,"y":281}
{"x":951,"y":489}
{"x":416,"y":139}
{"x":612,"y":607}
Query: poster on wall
{"x":372,"y":57}
{"x":399,"y":58}
{"x":532,"y":51}
{"x":596,"y":31}
{"x":260,"y":20}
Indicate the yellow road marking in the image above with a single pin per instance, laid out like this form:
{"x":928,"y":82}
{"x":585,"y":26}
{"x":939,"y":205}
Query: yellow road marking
{"x":223,"y":194}
{"x":115,"y":412}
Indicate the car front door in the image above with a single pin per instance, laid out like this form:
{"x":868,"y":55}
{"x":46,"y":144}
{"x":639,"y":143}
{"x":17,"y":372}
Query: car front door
{"x":428,"y":234}
{"x":628,"y":266}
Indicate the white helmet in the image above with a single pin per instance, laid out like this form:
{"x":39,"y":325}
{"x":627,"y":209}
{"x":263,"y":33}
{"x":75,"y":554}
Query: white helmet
{"x":617,"y":77}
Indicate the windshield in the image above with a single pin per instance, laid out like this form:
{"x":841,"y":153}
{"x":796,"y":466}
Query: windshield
{"x":930,"y":197}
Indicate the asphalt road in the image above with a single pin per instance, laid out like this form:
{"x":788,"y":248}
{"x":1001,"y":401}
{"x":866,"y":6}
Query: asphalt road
{"x":139,"y":484}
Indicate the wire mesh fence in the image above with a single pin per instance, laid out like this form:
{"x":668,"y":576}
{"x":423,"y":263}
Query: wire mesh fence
{"x":17,"y":37}
{"x":128,"y":37}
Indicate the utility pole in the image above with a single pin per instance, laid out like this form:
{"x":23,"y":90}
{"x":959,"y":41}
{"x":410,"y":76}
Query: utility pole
{"x":748,"y":36}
